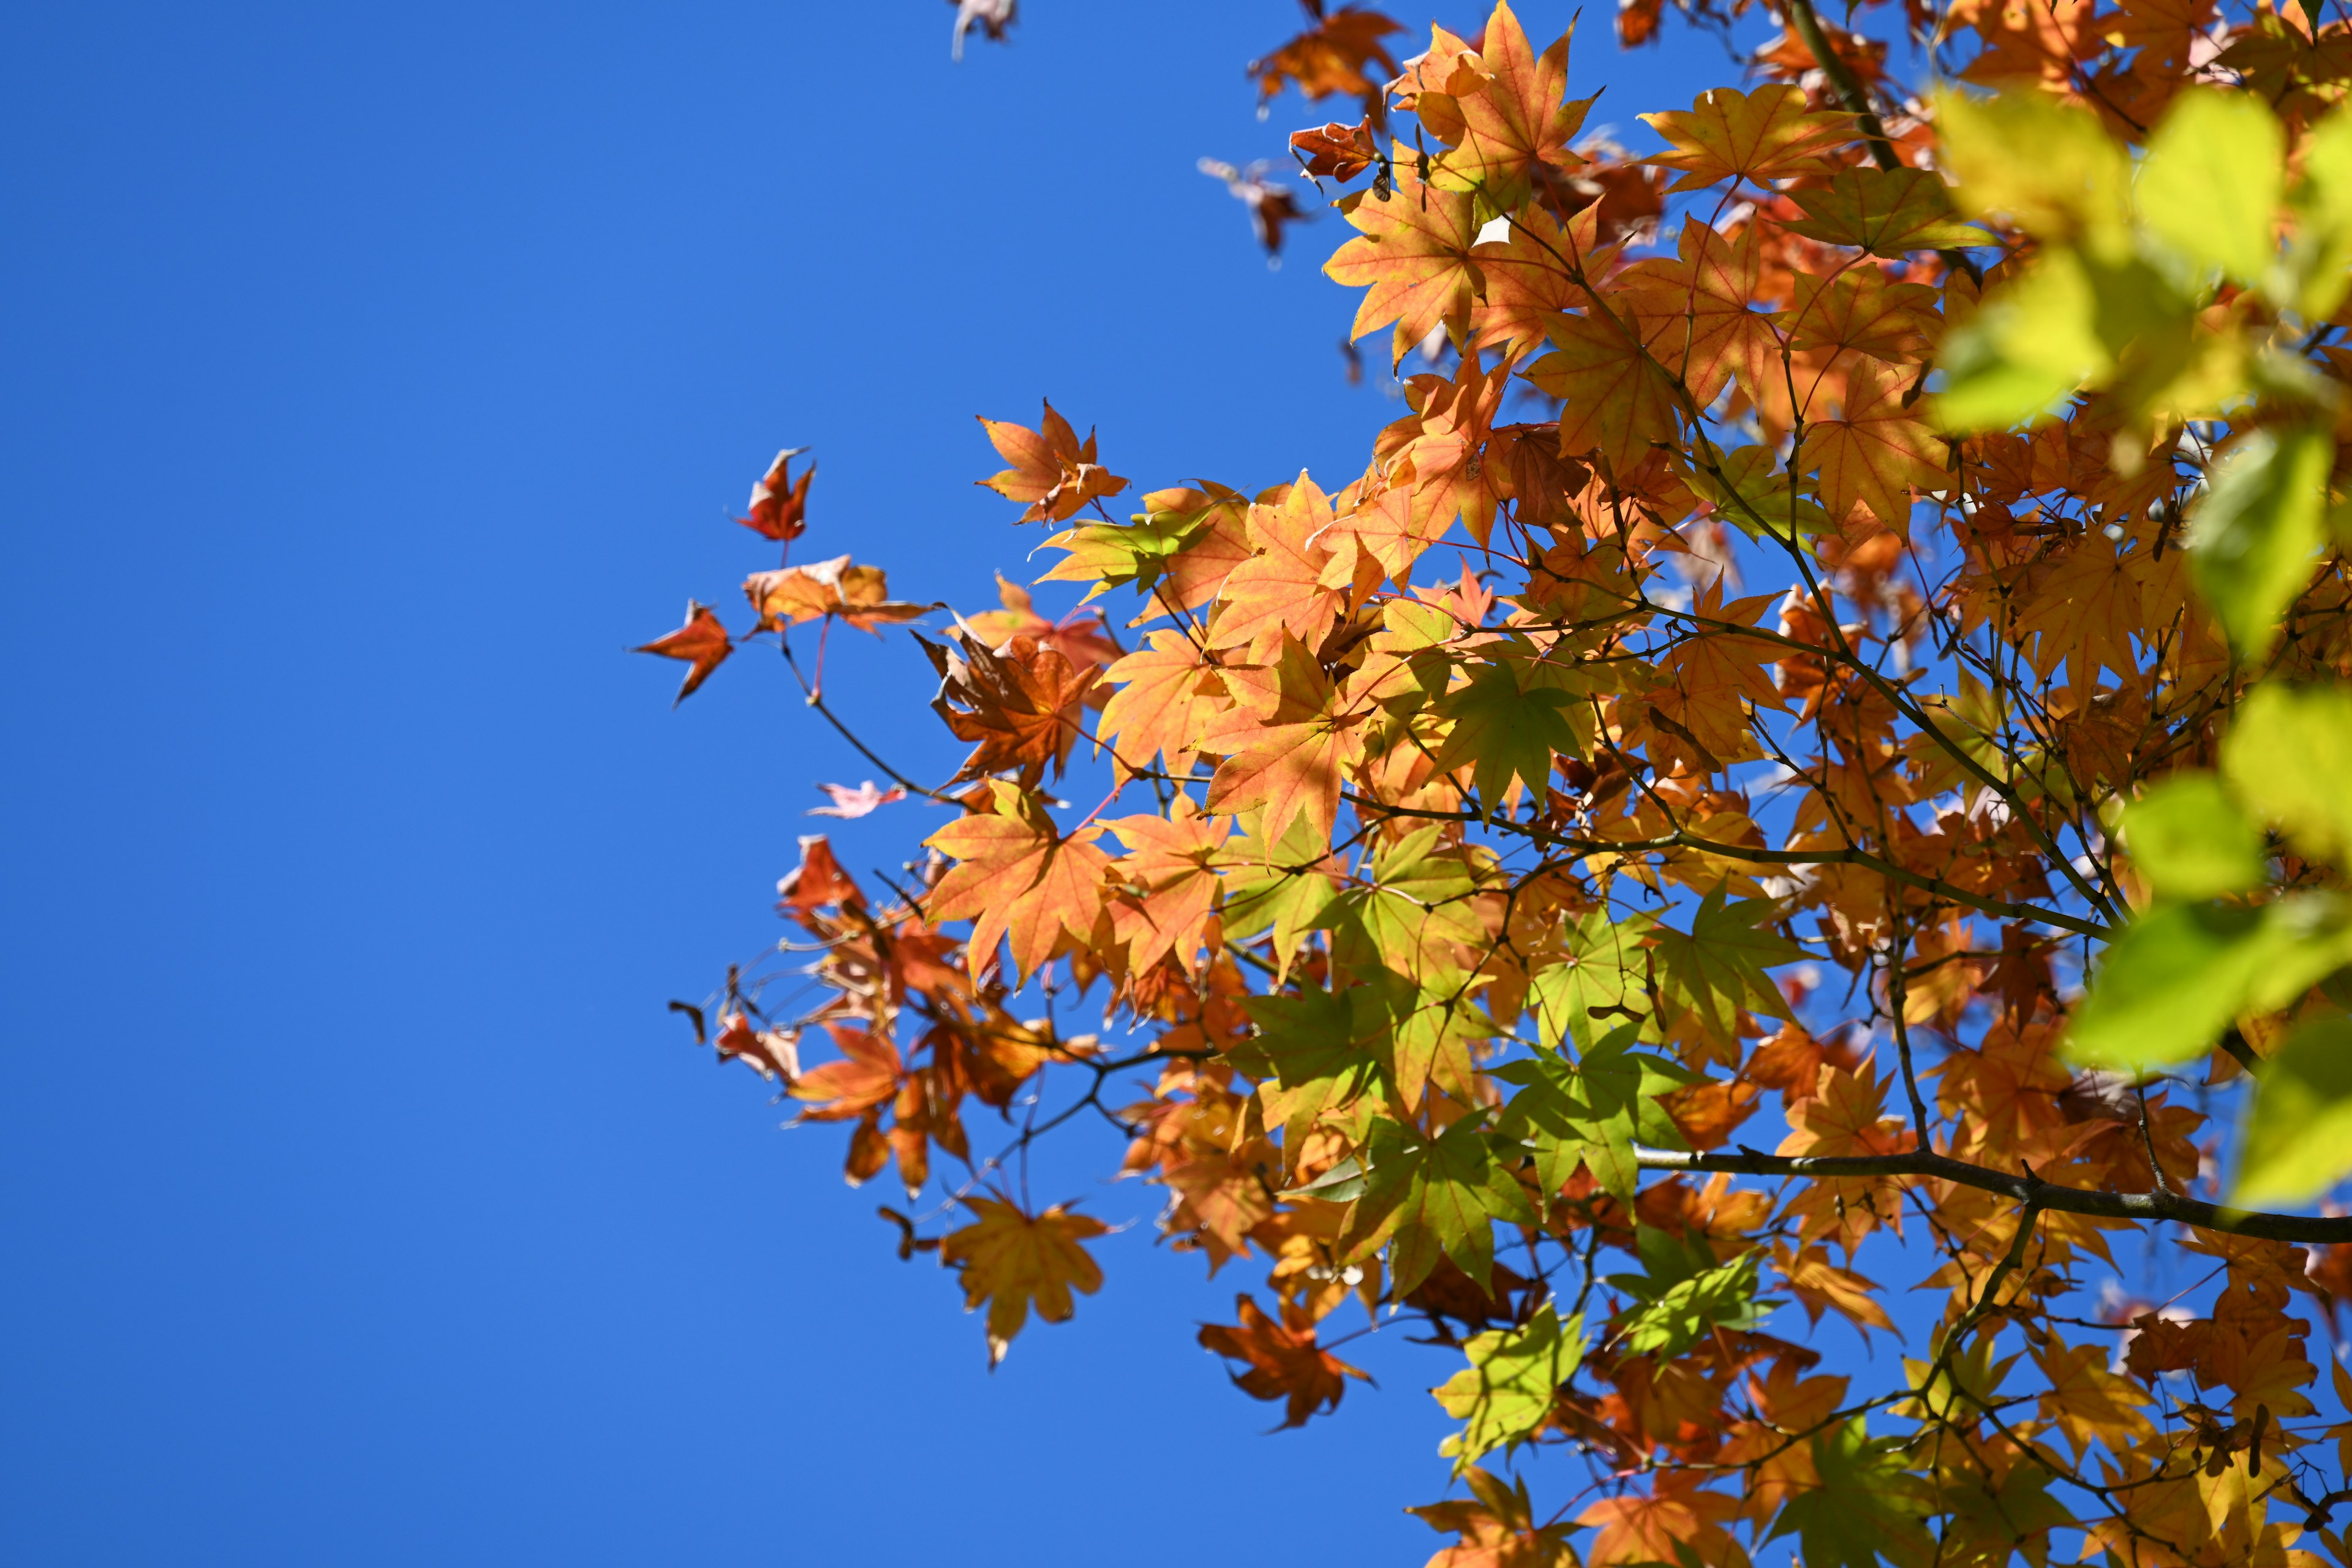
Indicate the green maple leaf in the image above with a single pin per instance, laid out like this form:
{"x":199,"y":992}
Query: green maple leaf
{"x":1420,"y":895}
{"x":1285,"y":886}
{"x":1506,"y":1391}
{"x":1866,"y":1506}
{"x":1716,"y":968}
{"x":1425,"y":1196}
{"x":1603,"y":979}
{"x":1433,"y":1023}
{"x":1505,"y":729}
{"x":1593,"y":1112}
{"x":1318,"y":1051}
{"x":1684,"y":1294}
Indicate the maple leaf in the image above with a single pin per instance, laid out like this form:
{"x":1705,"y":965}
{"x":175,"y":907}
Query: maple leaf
{"x":866,"y":1076}
{"x":1079,"y":636}
{"x":1444,"y":443}
{"x":1591,"y":1112}
{"x":1859,"y":309}
{"x":1502,"y":115}
{"x":1531,"y":273}
{"x":817,"y":880}
{"x":1672,"y":1524}
{"x":1015,"y":876}
{"x":1051,"y":471}
{"x":858,"y":594}
{"x":863,"y":801}
{"x":1718,"y":968}
{"x":1281,"y":589}
{"x":779,"y":508}
{"x":1761,"y":136}
{"x":1014,"y":1261}
{"x":1888,"y":211}
{"x":1285,"y":1361}
{"x":1023,"y":705}
{"x":1317,"y":1051}
{"x":1427,"y":1197}
{"x":1864,"y":1506}
{"x":1285,"y":884}
{"x":1505,"y":729}
{"x":1270,"y":203}
{"x":771,"y":1053}
{"x":1497,"y":1527}
{"x":1506,"y":1391}
{"x":1172,"y":864}
{"x":1876,"y":454}
{"x":1696,"y":312}
{"x":1166,"y":693}
{"x":702,"y":641}
{"x":1412,"y":257}
{"x":1683,"y":1295}
{"x":2087,"y":1402}
{"x":1330,"y":58}
{"x":1286,"y":751}
{"x":1616,"y":401}
{"x":1336,"y":151}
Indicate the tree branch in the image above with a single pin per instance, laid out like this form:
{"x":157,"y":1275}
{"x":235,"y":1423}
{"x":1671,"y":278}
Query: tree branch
{"x":2029,"y":1190}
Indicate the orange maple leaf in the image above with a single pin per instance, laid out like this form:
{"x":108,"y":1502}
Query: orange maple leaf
{"x":1170,"y":869}
{"x":1013,"y":1260}
{"x":1497,"y":1527}
{"x":1695,"y":311}
{"x":818,"y":880}
{"x":1285,"y":1361}
{"x":858,"y":594}
{"x":1875,"y":454}
{"x":779,"y":506}
{"x":1167,"y":691}
{"x":1861,"y":309}
{"x":1286,"y":751}
{"x":1444,"y":442}
{"x":1016,"y":877}
{"x":866,"y":1076}
{"x":1530,"y":274}
{"x":1615,"y":400}
{"x":1021,"y":704}
{"x":1761,"y":136}
{"x":702,"y":640}
{"x":1335,"y":151}
{"x":1080,"y":636}
{"x":1053,"y":472}
{"x":1282,"y":590}
{"x":1500,"y":110}
{"x":1410,"y":256}
{"x":1330,"y":58}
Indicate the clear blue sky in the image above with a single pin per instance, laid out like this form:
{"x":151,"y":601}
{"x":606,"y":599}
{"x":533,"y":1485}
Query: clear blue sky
{"x":374,"y":377}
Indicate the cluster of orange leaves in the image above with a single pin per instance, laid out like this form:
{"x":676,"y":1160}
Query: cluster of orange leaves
{"x":1404,"y":823}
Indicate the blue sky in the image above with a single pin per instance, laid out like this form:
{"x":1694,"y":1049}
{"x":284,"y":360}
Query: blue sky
{"x":374,"y":376}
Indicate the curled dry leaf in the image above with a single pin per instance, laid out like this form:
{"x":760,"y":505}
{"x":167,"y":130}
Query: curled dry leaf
{"x":702,"y":642}
{"x":779,"y":507}
{"x":857,"y":594}
{"x":1336,"y":151}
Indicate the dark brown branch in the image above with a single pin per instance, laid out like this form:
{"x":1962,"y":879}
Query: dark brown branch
{"x":2025,"y":1189}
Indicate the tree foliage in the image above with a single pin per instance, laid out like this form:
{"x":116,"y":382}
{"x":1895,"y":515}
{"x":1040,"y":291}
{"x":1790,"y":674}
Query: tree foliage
{"x":1850,"y":630}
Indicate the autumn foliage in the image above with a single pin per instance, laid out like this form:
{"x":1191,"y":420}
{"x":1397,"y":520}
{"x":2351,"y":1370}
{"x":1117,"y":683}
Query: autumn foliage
{"x":1803,"y":789}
